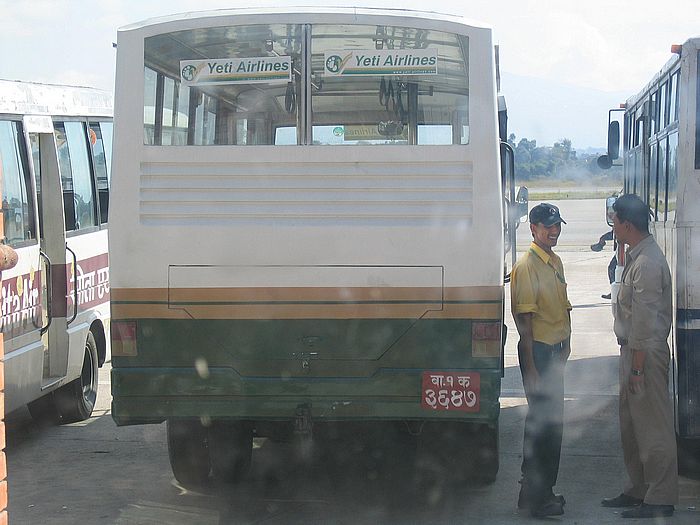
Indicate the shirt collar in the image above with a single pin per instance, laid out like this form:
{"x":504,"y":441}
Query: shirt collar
{"x":540,"y":252}
{"x":632,"y":253}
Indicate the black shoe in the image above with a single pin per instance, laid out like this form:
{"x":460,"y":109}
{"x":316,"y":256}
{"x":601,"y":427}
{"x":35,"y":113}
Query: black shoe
{"x":606,"y":296}
{"x":549,"y":508}
{"x":525,"y":503}
{"x":597,"y":246}
{"x":623,"y":500}
{"x":649,"y":511}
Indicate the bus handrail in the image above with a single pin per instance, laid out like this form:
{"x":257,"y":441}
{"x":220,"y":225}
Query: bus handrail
{"x":49,"y":292}
{"x":75,"y":284}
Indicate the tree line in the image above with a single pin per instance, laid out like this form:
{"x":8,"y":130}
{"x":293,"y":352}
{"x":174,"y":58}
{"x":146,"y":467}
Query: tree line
{"x":559,"y":161}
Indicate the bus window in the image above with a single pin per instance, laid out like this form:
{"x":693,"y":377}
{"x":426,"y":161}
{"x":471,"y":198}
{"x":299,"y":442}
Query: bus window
{"x":255,"y":93}
{"x":389,"y":85}
{"x":36,"y":160}
{"x":663,"y":106}
{"x":107,"y":131}
{"x":653,"y":113}
{"x":654,"y":181}
{"x":638,"y":172}
{"x":638,"y":129}
{"x":673,"y":99}
{"x":205,"y":120}
{"x":150,"y":79}
{"x":672,"y":187}
{"x":173,"y":112}
{"x":76,"y":178}
{"x":17,"y":207}
{"x":663,"y":199}
{"x":102,"y":163}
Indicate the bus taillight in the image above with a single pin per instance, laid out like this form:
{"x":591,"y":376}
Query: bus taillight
{"x":123,"y":338}
{"x":486,"y":339}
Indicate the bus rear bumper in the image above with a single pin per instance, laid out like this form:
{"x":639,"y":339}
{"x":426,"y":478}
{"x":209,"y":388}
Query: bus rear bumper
{"x":145,"y":396}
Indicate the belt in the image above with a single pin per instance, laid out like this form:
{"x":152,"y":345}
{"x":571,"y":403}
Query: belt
{"x":622,"y":341}
{"x":555,"y":346}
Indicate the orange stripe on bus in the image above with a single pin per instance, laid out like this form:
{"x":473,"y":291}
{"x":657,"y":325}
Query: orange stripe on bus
{"x":300,"y":311}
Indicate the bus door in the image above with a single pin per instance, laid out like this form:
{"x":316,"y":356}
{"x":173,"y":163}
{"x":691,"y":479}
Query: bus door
{"x":52,"y":240}
{"x":75,"y":242}
{"x":22,"y":285}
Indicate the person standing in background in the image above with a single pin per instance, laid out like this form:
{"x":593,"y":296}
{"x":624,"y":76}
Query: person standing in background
{"x":612,"y":265}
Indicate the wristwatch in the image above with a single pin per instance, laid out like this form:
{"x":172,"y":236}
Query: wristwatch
{"x":636,"y":372}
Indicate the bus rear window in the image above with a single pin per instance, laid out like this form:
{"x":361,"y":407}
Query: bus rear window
{"x":388,"y":85}
{"x":222,"y":85}
{"x":249,"y":85}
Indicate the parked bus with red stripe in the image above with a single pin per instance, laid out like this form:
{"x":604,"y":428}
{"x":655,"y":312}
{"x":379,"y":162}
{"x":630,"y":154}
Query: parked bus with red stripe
{"x":56,"y":148}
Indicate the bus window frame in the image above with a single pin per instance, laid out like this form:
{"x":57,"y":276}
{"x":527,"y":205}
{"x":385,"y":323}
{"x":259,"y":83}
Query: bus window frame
{"x":85,"y":125}
{"x":305,"y":83}
{"x":93,"y":168}
{"x":28,"y":173}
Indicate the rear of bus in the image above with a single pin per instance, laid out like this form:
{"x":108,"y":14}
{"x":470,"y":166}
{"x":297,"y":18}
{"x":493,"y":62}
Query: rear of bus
{"x":306,"y":229}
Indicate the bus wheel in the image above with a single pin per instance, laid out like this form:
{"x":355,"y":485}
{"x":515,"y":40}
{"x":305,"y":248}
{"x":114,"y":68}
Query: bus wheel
{"x":230,"y":449}
{"x":485,"y":460}
{"x":688,"y":456}
{"x":188,"y":450}
{"x":44,"y":410}
{"x":76,"y":400}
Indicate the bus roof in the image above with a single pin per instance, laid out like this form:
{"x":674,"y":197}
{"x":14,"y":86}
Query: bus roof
{"x":691,"y":43}
{"x":32,"y":98}
{"x":307,"y":10}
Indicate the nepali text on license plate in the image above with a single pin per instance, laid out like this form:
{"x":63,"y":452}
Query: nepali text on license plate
{"x":451,"y":391}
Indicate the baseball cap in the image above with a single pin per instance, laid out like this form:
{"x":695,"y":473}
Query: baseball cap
{"x":546,"y":214}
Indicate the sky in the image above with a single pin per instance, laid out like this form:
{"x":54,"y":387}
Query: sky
{"x":563,"y":63}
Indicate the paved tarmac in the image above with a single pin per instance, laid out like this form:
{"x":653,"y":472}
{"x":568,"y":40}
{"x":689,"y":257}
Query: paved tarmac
{"x":95,"y":472}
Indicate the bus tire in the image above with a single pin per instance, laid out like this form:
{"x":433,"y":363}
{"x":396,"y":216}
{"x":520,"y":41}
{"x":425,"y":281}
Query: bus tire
{"x":76,"y":400}
{"x":460,"y":451}
{"x":188,"y":451}
{"x":486,"y":460}
{"x":230,"y":449}
{"x":688,"y":456}
{"x":44,"y":410}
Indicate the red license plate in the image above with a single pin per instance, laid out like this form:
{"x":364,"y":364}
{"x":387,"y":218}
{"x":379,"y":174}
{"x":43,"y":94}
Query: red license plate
{"x":451,"y":391}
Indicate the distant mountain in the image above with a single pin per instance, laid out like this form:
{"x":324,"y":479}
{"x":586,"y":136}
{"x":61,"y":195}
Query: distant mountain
{"x":549,"y":111}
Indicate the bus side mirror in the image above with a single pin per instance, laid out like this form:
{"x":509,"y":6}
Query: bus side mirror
{"x":609,"y":202}
{"x":522,"y":199}
{"x":604,"y":162}
{"x":614,"y":140}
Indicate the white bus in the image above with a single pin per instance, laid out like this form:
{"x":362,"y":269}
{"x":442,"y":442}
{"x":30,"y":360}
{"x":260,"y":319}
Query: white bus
{"x":307,"y":231}
{"x":55,"y":147}
{"x":661,"y":158}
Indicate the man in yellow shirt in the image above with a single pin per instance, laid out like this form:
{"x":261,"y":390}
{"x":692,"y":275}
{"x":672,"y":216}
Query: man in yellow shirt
{"x":541,"y":310}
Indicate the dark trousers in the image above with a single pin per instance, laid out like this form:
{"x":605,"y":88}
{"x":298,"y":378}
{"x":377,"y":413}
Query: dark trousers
{"x":612,"y":265}
{"x":544,"y":424}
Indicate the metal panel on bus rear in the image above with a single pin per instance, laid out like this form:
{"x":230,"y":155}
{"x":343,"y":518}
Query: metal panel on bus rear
{"x":327,"y":312}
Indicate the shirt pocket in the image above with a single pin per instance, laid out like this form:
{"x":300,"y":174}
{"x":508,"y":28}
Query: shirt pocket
{"x":625,"y":294}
